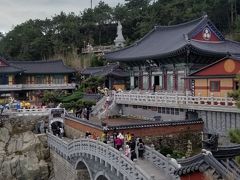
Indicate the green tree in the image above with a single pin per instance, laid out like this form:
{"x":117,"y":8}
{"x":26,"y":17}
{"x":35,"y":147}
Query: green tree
{"x":97,"y":61}
{"x":50,"y":97}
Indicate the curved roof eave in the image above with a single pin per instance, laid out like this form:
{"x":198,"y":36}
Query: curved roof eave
{"x":108,"y":54}
{"x":209,"y":52}
{"x":153,"y":57}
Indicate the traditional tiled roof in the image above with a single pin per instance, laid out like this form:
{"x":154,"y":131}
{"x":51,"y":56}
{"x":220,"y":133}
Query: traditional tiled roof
{"x":170,"y":41}
{"x":223,"y":168}
{"x":10,"y":69}
{"x":110,"y":69}
{"x":232,"y":74}
{"x":42,"y":67}
{"x":7,"y":68}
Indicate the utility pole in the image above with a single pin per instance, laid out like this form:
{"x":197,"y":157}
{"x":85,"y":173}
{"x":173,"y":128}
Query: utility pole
{"x":91,"y":4}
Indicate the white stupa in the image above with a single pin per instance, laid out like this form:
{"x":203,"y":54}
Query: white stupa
{"x":119,"y":41}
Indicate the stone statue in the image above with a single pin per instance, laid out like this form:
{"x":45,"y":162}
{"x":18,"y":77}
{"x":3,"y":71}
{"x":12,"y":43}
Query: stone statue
{"x":119,"y":41}
{"x":189,"y":149}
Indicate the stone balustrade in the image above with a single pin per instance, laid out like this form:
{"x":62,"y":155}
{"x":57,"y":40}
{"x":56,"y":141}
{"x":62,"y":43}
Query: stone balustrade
{"x":175,"y":100}
{"x":161,"y":161}
{"x":14,"y":87}
{"x":109,"y":155}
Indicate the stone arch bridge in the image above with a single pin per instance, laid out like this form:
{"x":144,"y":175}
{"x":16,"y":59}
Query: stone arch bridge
{"x":89,"y":159}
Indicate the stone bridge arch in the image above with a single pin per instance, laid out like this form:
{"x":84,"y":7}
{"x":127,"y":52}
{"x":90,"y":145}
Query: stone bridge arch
{"x":101,"y":161}
{"x":90,"y":167}
{"x":101,"y":176}
{"x":82,"y":170}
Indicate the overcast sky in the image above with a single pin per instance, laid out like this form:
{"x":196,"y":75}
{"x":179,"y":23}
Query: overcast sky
{"x":13,"y":12}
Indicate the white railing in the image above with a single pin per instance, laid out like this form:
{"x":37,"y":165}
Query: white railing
{"x":105,"y":153}
{"x":28,"y":112}
{"x":97,"y":49}
{"x":49,"y":86}
{"x":17,"y":87}
{"x":99,"y":106}
{"x":161,"y":161}
{"x":170,"y":100}
{"x":35,"y":111}
{"x":12,"y":87}
{"x":106,"y":111}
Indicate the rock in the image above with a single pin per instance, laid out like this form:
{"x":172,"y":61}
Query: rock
{"x":23,"y":154}
{"x":4,"y":135}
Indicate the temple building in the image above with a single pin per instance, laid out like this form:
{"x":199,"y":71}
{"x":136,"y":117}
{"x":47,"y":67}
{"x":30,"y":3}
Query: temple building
{"x":26,"y":80}
{"x":168,"y":54}
{"x":217,"y":79}
{"x":211,"y":165}
{"x":115,"y":77}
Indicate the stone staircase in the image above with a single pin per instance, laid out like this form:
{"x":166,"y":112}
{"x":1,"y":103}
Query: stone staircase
{"x":101,"y":111}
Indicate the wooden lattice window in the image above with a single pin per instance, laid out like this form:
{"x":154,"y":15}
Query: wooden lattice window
{"x":214,"y":86}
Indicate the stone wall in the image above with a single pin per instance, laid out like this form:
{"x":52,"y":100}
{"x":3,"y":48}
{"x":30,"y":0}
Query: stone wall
{"x":176,"y":142}
{"x":150,"y":112}
{"x":220,"y":122}
{"x":63,"y":170}
{"x":76,"y":129}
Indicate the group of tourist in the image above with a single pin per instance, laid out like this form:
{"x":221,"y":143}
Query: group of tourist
{"x":129,"y":144}
{"x":83,"y":112}
{"x":58,"y":131}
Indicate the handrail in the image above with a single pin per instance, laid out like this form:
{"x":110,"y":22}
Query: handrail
{"x":105,"y":152}
{"x":110,"y":106}
{"x":161,"y":161}
{"x":34,"y":86}
{"x":99,"y":105}
{"x":174,"y":99}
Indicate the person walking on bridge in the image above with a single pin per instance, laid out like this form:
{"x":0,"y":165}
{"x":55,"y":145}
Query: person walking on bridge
{"x":141,"y":148}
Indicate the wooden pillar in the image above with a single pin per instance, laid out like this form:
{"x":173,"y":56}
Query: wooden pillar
{"x":164,"y":76}
{"x":10,"y":80}
{"x":187,"y":71}
{"x":175,"y":79}
{"x":150,"y":79}
{"x":187,"y":81}
{"x":140,"y":79}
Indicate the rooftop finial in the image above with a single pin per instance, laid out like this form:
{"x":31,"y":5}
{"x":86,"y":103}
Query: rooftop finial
{"x":205,"y":15}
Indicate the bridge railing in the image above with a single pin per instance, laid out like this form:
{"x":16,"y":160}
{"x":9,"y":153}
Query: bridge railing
{"x":161,"y":161}
{"x":27,"y":112}
{"x":58,"y":145}
{"x":100,"y":150}
{"x":174,"y":98}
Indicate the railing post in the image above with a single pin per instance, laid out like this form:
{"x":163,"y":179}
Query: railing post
{"x":199,"y":98}
{"x":212,"y":99}
{"x":176,"y":98}
{"x":186,"y":98}
{"x":226,"y":100}
{"x":165,"y":97}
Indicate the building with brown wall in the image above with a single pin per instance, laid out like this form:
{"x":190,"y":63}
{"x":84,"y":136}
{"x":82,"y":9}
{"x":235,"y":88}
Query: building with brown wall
{"x":216,"y":79}
{"x":26,"y":80}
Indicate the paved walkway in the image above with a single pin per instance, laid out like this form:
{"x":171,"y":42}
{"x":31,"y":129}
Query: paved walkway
{"x":150,"y":169}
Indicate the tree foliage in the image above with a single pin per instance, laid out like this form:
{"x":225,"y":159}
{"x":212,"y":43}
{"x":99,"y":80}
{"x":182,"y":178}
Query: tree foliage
{"x":68,"y":33}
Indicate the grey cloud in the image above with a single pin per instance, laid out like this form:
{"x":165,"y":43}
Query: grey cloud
{"x":13,"y":12}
